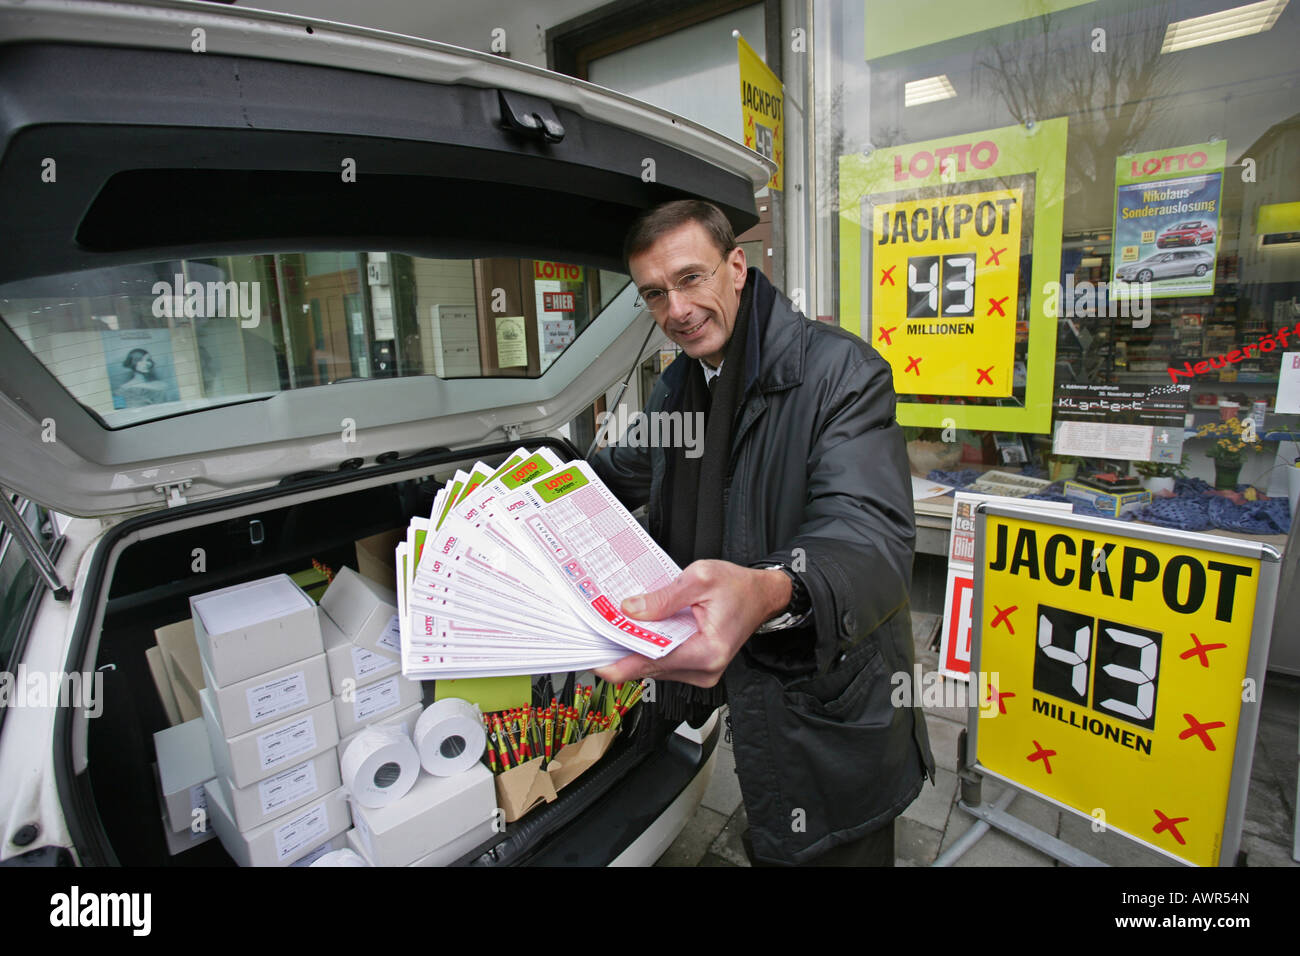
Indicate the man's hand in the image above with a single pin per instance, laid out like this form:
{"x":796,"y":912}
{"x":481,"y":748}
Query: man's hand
{"x":729,"y":603}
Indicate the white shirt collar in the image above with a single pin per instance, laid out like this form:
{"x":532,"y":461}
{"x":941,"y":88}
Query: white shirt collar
{"x":710,"y":373}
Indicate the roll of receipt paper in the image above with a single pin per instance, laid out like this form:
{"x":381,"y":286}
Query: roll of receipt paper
{"x":449,"y":736}
{"x":379,"y":766}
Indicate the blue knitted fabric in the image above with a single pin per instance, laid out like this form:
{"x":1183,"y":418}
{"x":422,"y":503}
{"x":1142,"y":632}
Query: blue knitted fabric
{"x":1192,"y":508}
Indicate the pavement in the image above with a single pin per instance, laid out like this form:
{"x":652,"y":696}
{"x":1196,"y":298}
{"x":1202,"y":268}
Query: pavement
{"x":934,"y":821}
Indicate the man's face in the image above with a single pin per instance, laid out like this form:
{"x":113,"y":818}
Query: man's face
{"x":700,"y":321}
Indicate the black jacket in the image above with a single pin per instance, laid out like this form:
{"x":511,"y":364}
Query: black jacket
{"x":818,"y":480}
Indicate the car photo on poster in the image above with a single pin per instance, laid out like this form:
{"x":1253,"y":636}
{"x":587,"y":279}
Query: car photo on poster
{"x":1167,"y":265}
{"x":1194,"y":232}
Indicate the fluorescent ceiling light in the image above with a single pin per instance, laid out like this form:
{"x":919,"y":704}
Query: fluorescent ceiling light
{"x":1225,"y":25}
{"x":930,"y":90}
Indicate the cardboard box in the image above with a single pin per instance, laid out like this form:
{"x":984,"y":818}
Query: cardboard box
{"x":187,"y":838}
{"x":1111,"y":504}
{"x":436,"y":811}
{"x":351,"y":662}
{"x":367,"y":704}
{"x":255,"y":702}
{"x":451,"y":852}
{"x":521,"y":788}
{"x":251,"y":628}
{"x":158,"y":670}
{"x":406,"y":718}
{"x":443,"y":856}
{"x":283,"y":840}
{"x":258,"y":754}
{"x":281,"y":792}
{"x":365,"y":611}
{"x":180,"y":650}
{"x":375,"y":556}
{"x":184,"y":763}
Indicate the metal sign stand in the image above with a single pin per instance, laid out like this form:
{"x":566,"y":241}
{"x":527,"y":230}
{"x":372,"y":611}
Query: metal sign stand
{"x":995,"y":815}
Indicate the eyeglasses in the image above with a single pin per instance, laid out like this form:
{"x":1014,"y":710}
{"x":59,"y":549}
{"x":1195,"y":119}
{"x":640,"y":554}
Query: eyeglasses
{"x":656,"y":300}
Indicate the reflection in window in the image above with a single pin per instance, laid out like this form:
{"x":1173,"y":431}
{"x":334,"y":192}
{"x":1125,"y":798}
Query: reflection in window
{"x":138,"y":342}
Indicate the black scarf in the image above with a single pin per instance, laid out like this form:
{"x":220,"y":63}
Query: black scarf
{"x":694,"y":503}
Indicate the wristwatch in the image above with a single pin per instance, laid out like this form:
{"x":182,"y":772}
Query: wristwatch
{"x":797,"y":611}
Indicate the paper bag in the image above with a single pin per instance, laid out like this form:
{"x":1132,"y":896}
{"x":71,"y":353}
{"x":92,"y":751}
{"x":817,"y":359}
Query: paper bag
{"x":521,"y":788}
{"x":574,"y":759}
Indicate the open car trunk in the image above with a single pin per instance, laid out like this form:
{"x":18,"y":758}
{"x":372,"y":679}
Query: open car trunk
{"x":143,"y":569}
{"x":383,"y":231}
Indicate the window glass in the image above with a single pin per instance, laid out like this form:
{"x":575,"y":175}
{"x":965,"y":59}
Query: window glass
{"x":1092,"y":205}
{"x":140,"y":342}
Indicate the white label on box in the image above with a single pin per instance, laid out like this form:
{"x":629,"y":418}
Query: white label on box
{"x":392,"y":636}
{"x":198,"y":801}
{"x":287,"y":786}
{"x":277,"y":746}
{"x":366,"y":662}
{"x":376,"y":699}
{"x":279,"y":696}
{"x":301,"y":831}
{"x":363,"y":831}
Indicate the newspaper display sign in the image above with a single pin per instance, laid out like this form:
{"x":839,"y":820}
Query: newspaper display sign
{"x":954,"y":643}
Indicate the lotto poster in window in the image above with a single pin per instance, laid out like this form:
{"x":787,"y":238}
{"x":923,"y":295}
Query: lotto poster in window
{"x":1167,"y":205}
{"x":945,"y":246}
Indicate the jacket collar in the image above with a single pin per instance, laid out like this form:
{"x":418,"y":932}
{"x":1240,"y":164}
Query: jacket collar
{"x":774,"y":357}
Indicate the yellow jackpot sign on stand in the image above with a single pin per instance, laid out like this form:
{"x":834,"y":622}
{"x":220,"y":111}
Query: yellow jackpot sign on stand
{"x":1129,"y":661}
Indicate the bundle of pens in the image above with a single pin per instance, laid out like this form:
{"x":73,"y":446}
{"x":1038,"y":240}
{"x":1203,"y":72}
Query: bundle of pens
{"x":519,"y":735}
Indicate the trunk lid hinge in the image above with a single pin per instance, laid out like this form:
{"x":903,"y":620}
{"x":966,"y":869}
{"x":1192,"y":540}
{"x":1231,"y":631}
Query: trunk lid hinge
{"x":171,"y":492}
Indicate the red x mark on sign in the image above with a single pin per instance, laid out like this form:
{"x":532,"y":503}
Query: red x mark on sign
{"x":993,"y":259}
{"x":1198,"y":729}
{"x":913,"y":363}
{"x":888,"y":274}
{"x":1170,"y":824}
{"x":995,"y":697}
{"x":1201,"y":650}
{"x":996,"y":304}
{"x":885,"y":334}
{"x":984,"y":375}
{"x":1004,"y":617}
{"x":1041,"y":754}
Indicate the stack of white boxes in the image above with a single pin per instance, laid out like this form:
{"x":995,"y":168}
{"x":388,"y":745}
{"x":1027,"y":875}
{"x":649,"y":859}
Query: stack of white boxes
{"x":362,"y":643}
{"x":270,"y":720}
{"x":184,"y":766}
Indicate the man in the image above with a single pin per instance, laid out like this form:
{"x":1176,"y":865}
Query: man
{"x":795,"y":530}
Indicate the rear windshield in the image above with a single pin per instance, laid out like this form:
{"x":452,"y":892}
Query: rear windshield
{"x":141,"y":342}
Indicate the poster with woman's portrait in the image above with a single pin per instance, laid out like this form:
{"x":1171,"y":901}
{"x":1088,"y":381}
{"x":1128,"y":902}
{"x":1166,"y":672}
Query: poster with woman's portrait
{"x":140,"y":367}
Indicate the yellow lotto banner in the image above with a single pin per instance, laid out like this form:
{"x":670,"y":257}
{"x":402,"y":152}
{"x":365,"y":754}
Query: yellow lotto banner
{"x":947,"y":251}
{"x":1118,"y":664}
{"x":946,"y":319}
{"x":762,"y":106}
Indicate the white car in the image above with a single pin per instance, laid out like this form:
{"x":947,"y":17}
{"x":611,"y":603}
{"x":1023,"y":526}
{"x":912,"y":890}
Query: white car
{"x":254,"y":306}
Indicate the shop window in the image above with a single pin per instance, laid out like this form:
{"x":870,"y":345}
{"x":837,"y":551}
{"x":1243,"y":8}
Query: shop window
{"x":1048,"y":226}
